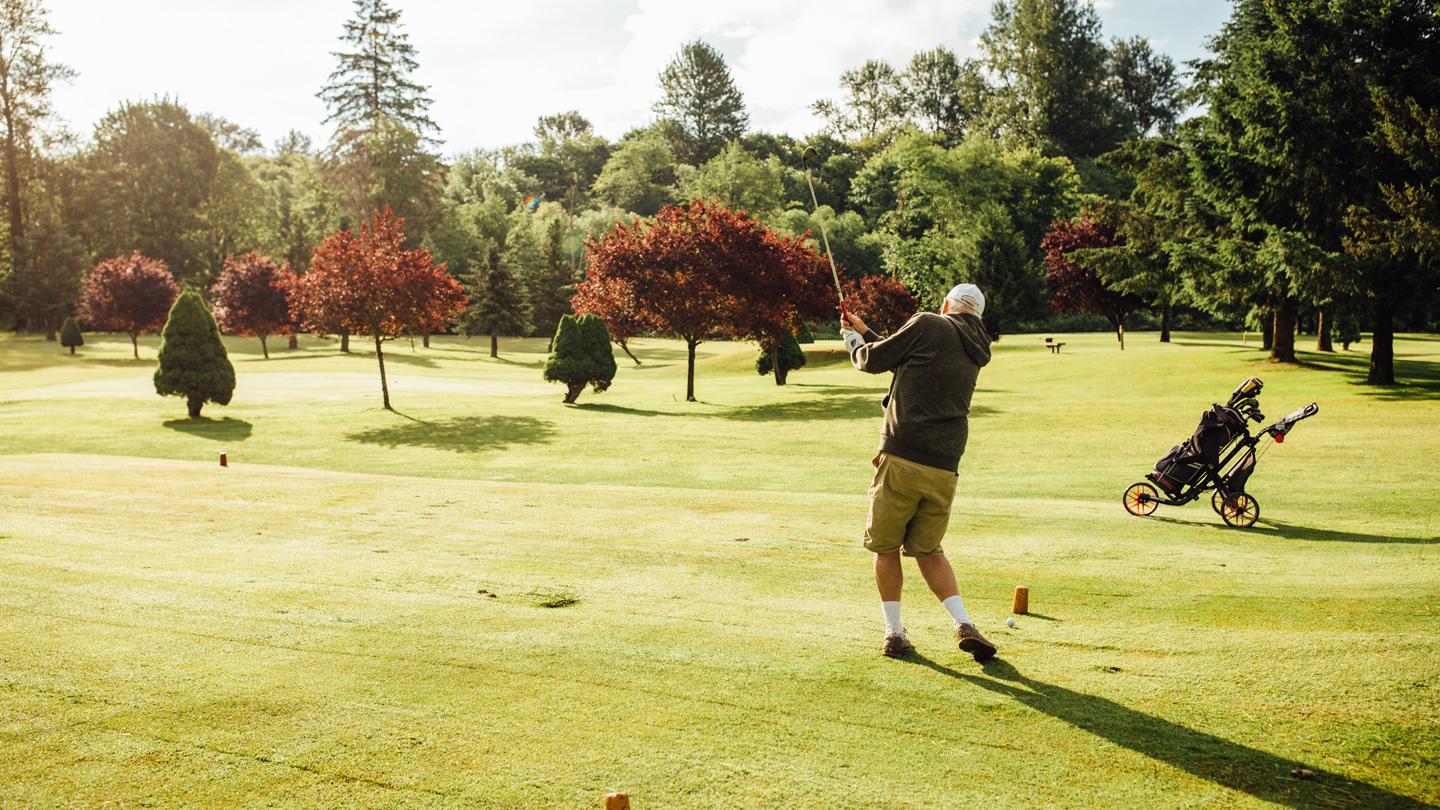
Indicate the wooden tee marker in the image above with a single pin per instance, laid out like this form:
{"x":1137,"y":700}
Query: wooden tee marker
{"x":617,"y":801}
{"x":224,"y":462}
{"x":1022,"y":600}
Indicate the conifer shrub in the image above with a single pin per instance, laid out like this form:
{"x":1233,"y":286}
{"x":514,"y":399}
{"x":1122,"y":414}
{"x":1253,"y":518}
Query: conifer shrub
{"x":193,"y":362}
{"x":791,"y":358}
{"x":70,"y":336}
{"x":581,"y":355}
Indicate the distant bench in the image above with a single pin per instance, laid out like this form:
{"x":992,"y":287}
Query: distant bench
{"x":1053,"y":346}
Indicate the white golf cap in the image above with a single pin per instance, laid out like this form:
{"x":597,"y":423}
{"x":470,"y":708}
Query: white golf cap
{"x":968,"y":296}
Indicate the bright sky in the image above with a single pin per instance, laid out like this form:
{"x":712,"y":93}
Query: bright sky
{"x":494,"y":67}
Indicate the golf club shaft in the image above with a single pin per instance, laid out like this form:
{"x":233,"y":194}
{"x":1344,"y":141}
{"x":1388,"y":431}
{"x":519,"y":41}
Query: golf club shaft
{"x":815,"y":210}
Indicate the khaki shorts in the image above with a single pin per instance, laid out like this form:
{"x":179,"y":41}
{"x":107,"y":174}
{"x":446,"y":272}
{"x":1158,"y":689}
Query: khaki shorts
{"x":909,"y":507}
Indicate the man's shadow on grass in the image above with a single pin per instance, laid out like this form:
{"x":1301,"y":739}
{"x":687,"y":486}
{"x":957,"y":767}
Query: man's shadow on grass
{"x":468,"y":434}
{"x":1238,"y":767}
{"x":220,"y":430}
{"x":1289,"y":531}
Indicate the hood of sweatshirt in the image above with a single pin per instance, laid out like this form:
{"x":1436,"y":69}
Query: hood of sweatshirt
{"x":973,"y":337}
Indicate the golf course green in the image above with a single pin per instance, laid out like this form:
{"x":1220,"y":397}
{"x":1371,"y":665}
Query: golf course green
{"x":489,"y":598}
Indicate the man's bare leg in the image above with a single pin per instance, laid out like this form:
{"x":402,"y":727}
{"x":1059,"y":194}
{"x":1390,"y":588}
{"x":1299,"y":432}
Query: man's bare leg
{"x":941,"y":579}
{"x":889,"y":577}
{"x":938,"y":575}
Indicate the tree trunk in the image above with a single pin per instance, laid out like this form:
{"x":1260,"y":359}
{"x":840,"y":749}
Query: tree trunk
{"x":1267,"y":333}
{"x":1120,"y":332}
{"x":425,"y":341}
{"x":345,"y":340}
{"x":1282,"y":347}
{"x":572,"y":392}
{"x":494,"y":345}
{"x":195,"y":404}
{"x":781,"y":373}
{"x":12,"y":182}
{"x":623,"y":347}
{"x":1382,"y":344}
{"x":1165,"y":311}
{"x":135,"y":344}
{"x":263,"y":348}
{"x":50,"y":328}
{"x":294,"y":341}
{"x":72,"y":349}
{"x":690,"y":372}
{"x":1322,"y":331}
{"x":384,"y":387}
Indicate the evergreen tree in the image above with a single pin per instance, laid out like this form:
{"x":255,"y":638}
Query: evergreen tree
{"x":70,"y":336}
{"x":382,"y":150}
{"x":551,"y":285}
{"x":193,"y":363}
{"x":581,"y":355}
{"x":791,"y":358}
{"x":497,"y":302}
{"x":699,"y":95}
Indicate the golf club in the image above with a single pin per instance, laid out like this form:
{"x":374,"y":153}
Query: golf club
{"x":805,"y":158}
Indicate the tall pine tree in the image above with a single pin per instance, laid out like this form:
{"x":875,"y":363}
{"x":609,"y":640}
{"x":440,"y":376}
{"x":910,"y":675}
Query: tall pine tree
{"x":699,"y":95}
{"x":382,"y":150}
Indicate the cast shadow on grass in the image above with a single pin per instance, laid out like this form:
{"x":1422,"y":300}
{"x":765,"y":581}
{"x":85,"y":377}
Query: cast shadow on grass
{"x":1417,"y":379}
{"x":1289,"y":531}
{"x":837,"y":407}
{"x":1206,"y":756}
{"x":220,"y":430}
{"x":469,"y":434}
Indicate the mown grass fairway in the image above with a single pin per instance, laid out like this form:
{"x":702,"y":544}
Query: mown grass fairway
{"x":492,"y":599}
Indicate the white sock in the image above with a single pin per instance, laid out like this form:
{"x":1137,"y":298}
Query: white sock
{"x":893,"y":627}
{"x":956,"y":606}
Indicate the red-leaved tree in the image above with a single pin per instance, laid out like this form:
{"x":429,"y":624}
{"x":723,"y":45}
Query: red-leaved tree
{"x":699,"y":270}
{"x":367,"y":282}
{"x":883,"y":303}
{"x":252,"y":298}
{"x":130,"y":294}
{"x":1075,"y":287}
{"x":610,"y":299}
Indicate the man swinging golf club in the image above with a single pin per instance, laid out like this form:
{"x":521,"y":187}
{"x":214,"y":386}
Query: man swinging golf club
{"x":936,"y":360}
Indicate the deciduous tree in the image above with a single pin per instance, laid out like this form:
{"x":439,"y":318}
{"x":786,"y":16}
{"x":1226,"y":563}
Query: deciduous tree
{"x":1075,"y":287}
{"x":700,"y":269}
{"x":27,"y":76}
{"x":252,"y":297}
{"x":369,"y":283}
{"x":130,"y":294}
{"x":884,"y":303}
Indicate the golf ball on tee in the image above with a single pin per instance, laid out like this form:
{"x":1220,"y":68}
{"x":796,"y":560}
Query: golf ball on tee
{"x":1010,"y":622}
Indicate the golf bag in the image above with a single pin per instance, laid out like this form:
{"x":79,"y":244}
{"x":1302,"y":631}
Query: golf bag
{"x":1187,"y":461}
{"x":1218,"y":457}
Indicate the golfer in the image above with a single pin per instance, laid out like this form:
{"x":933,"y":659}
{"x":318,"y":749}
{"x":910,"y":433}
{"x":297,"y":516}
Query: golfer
{"x":935,"y":360}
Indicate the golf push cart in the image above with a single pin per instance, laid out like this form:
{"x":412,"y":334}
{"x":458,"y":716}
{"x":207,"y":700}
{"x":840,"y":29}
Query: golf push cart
{"x":1220,"y":456}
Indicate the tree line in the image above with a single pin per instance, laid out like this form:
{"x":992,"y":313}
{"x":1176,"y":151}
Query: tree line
{"x":1053,"y":169}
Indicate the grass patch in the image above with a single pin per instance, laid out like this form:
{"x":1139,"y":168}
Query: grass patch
{"x":493,"y":599}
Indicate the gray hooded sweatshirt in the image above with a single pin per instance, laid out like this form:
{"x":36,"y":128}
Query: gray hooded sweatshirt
{"x":936,"y":360}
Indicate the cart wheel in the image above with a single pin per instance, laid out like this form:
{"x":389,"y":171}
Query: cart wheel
{"x":1141,"y":499}
{"x":1240,"y":510}
{"x":1215,"y":503}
